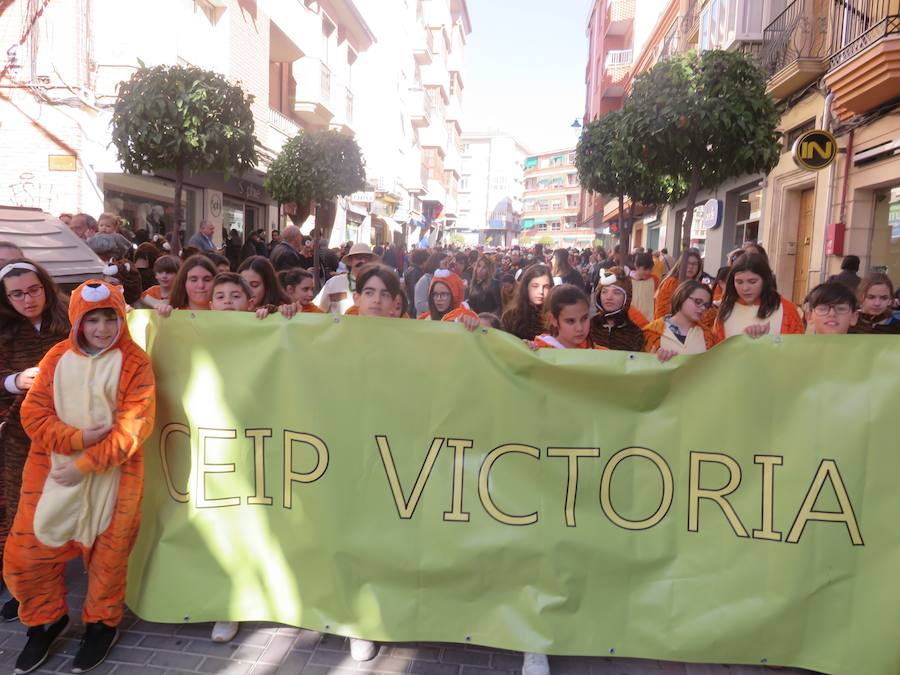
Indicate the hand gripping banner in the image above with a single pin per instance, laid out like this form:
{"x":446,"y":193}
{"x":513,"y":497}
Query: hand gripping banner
{"x":410,"y":481}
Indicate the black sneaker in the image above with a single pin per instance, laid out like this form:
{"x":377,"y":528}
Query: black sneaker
{"x":37,"y":648}
{"x":95,"y":645}
{"x":10,"y":611}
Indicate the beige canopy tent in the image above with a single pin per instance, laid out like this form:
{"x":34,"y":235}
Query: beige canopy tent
{"x":48,"y":241}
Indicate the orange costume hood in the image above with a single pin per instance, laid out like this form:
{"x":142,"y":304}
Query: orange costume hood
{"x":91,"y":295}
{"x":452,"y":281}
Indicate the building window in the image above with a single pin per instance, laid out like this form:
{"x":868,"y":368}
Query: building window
{"x":885,"y":251}
{"x":724,"y":21}
{"x":791,"y":136}
{"x":555,"y":226}
{"x":542,"y":227}
{"x":464,"y":183}
{"x":747,"y":226}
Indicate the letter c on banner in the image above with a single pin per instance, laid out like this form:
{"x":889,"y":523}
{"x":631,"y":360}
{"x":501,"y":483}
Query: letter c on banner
{"x":168,"y":430}
{"x":484,"y":476}
{"x":668,"y":489}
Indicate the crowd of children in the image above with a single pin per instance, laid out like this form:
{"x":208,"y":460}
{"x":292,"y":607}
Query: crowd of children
{"x":72,"y":475}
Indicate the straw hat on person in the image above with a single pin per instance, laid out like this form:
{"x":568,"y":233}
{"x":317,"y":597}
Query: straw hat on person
{"x":359,"y":249}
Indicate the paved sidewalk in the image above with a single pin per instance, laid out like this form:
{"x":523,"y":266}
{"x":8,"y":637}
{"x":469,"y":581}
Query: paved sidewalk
{"x":267,"y":649}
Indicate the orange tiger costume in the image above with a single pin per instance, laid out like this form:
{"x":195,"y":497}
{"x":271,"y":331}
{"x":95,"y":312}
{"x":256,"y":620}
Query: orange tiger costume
{"x":99,"y":516}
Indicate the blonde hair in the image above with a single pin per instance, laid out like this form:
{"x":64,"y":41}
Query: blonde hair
{"x":116,"y":221}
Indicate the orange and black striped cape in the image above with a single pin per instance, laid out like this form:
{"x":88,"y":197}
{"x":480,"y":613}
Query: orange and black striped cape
{"x":32,"y":570}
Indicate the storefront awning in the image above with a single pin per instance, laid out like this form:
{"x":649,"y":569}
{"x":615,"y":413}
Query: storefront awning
{"x":528,"y":223}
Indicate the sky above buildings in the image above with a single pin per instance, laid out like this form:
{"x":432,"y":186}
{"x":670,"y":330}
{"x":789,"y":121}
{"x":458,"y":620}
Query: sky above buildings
{"x":525,"y":64}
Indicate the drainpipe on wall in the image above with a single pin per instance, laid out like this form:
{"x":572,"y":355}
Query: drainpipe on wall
{"x":829,"y":208}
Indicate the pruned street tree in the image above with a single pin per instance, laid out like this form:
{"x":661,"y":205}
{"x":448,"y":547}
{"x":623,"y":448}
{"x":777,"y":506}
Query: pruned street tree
{"x":183,"y":119}
{"x":609,"y":163}
{"x":313,"y":169}
{"x":702,"y":119}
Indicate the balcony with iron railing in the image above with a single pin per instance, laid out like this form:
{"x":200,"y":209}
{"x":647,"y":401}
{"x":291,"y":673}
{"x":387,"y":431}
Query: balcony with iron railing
{"x":794,"y":49}
{"x":423,"y":44}
{"x":283,"y":123}
{"x":859,"y":24}
{"x":420,"y":107}
{"x":690,"y":22}
{"x":314,"y":104}
{"x":615,"y":71}
{"x":864,"y":66}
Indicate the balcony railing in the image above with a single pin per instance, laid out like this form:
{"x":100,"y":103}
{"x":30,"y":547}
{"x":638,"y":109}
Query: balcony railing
{"x":283,"y":123}
{"x":858,"y":24}
{"x":691,"y":18}
{"x":619,"y":57}
{"x":799,"y":32}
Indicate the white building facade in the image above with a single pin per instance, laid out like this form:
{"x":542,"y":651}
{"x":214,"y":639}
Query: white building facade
{"x":297,"y":59}
{"x":491,"y":188}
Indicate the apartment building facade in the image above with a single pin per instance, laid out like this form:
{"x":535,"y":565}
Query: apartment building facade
{"x":491,"y":188}
{"x":410,"y":88}
{"x":552,"y":201}
{"x":831,"y":64}
{"x":296,"y":59}
{"x":616,"y":32}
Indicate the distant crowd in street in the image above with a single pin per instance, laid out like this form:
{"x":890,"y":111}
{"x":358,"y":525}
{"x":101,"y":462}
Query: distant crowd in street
{"x":78,"y":344}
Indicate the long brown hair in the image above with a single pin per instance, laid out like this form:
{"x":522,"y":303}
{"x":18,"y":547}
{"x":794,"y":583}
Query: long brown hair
{"x":275,"y":294}
{"x":523,"y":317}
{"x":769,"y":299}
{"x":178,"y":297}
{"x":683,"y":261}
{"x":476,"y":286}
{"x":54,"y":318}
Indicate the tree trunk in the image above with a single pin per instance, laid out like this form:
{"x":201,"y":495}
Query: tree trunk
{"x":623,"y":235}
{"x":325,"y":214}
{"x":179,"y":220}
{"x":630,"y":223}
{"x":693,"y":191}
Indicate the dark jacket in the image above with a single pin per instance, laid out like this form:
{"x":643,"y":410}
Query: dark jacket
{"x":849,"y":279}
{"x":486,"y":299}
{"x":285,"y":257}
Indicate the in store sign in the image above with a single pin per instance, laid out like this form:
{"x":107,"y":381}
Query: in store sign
{"x":815,"y":150}
{"x":250,"y":191}
{"x":712,"y":214}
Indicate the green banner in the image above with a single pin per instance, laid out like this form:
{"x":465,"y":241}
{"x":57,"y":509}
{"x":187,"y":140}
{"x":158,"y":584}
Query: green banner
{"x":409,"y":481}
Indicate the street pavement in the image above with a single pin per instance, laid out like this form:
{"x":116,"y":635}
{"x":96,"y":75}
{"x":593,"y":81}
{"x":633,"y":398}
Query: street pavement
{"x":268,"y":649}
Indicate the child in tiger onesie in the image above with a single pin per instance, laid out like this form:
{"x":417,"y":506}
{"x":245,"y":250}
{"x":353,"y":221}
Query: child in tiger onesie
{"x":88,"y":413}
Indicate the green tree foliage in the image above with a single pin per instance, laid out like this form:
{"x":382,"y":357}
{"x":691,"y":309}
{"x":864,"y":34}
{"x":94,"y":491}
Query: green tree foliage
{"x":315,"y":167}
{"x":702,"y":119}
{"x":183,"y":119}
{"x":609,"y":163}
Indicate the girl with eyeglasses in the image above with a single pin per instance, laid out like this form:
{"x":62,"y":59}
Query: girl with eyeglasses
{"x":445,"y":300}
{"x":876,"y":315}
{"x":752,"y":306}
{"x":33,"y":318}
{"x":682,"y":331}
